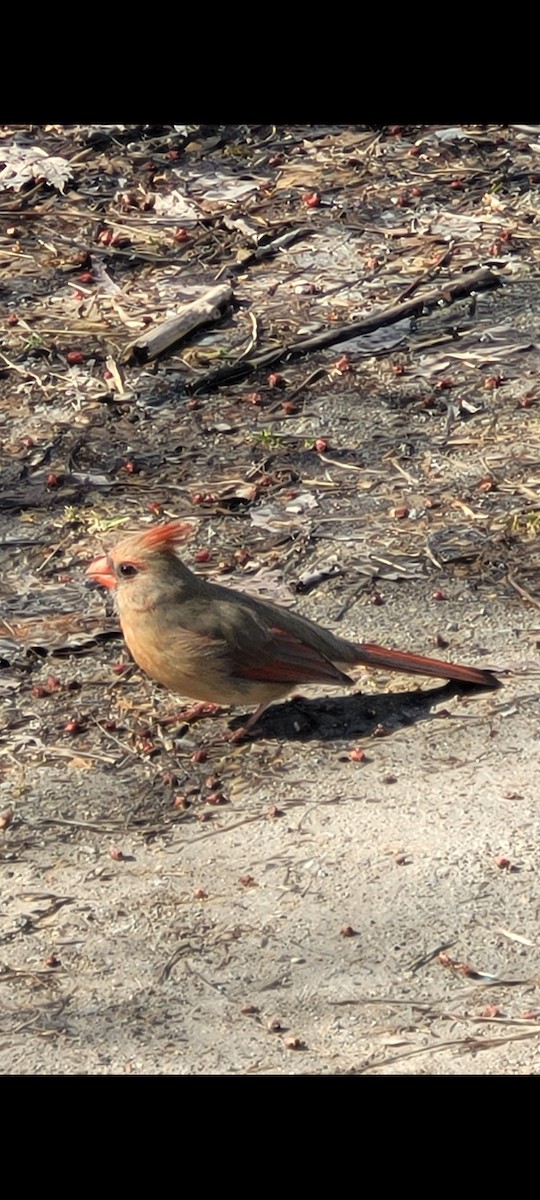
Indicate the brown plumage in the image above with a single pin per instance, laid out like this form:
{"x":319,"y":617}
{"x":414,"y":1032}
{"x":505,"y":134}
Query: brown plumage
{"x":218,"y":645}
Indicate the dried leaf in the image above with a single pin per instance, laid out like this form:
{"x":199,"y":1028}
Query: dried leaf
{"x":22,"y":164}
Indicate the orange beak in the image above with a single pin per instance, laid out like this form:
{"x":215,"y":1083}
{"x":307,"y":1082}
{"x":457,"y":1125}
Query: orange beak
{"x":100,"y":571}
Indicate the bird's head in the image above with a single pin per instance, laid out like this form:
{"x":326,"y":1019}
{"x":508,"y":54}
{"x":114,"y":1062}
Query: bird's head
{"x":142,"y":559}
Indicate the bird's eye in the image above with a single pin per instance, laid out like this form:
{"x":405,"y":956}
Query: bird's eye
{"x":127,"y":570}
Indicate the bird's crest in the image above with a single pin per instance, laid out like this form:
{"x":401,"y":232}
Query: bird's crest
{"x":166,"y":537}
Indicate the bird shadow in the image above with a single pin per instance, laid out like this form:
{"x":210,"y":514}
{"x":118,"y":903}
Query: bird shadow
{"x":359,"y":715}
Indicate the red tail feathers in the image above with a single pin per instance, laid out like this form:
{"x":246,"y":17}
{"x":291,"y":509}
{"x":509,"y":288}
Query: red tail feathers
{"x":418,"y":664}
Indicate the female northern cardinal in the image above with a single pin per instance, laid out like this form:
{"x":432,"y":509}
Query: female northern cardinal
{"x":218,"y":645}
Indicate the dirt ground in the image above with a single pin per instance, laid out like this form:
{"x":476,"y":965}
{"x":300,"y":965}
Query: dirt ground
{"x":354,"y":889}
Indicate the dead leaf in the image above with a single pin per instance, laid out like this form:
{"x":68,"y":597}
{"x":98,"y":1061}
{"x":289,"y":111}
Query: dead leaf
{"x":22,"y":164}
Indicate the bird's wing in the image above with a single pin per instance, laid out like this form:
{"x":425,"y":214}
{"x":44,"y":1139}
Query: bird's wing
{"x":280,"y":657}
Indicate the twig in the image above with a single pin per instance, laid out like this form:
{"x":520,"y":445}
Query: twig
{"x":448,"y":293}
{"x":467,"y":1043}
{"x":427,"y":274}
{"x":266,"y":251}
{"x":522,"y":591}
{"x":200,"y":312}
{"x":431,"y":954}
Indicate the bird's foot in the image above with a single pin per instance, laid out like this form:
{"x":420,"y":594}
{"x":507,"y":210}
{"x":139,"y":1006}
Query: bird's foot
{"x":238,"y":735}
{"x":194,"y":713}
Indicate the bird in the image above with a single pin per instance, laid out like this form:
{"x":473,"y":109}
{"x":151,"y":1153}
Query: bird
{"x":220,"y":646}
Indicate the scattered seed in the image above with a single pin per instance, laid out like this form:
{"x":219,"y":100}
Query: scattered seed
{"x":216,"y":798}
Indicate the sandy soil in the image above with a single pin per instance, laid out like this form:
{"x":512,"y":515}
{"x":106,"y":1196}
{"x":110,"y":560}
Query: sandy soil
{"x":354,"y":890}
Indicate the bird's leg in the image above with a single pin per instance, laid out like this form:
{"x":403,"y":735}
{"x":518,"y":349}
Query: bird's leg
{"x":239,"y":734}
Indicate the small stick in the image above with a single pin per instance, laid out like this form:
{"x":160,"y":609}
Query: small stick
{"x":205,"y":309}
